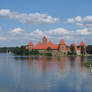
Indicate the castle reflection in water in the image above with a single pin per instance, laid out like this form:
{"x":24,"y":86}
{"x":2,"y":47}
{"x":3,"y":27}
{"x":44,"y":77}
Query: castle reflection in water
{"x":53,"y":64}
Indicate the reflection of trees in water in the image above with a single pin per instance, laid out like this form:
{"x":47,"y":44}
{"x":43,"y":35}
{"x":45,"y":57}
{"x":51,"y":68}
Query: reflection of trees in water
{"x":77,"y":61}
{"x":20,"y":58}
{"x":30,"y":59}
{"x":62,"y":63}
{"x":52,"y":63}
{"x":44,"y":63}
{"x":72,"y":61}
{"x":82,"y":60}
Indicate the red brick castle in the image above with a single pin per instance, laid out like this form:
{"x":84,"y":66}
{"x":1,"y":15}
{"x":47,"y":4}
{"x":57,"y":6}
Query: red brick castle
{"x":61,"y":47}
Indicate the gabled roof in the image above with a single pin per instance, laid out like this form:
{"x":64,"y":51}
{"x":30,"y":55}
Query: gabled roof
{"x":41,"y":46}
{"x":82,"y":43}
{"x":38,"y":45}
{"x":55,"y":46}
{"x":30,"y":43}
{"x":62,"y":42}
{"x":50,"y":43}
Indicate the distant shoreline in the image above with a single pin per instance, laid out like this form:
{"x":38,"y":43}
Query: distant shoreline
{"x":21,"y":51}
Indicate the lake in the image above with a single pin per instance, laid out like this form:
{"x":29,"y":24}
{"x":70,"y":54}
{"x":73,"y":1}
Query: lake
{"x":44,"y":74}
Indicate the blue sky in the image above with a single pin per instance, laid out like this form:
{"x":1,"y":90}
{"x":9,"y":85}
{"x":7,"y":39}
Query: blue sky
{"x":25,"y":20}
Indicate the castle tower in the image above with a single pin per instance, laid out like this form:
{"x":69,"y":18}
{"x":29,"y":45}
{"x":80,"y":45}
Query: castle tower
{"x":30,"y":46}
{"x":44,"y":40}
{"x":62,"y":46}
{"x":83,"y":44}
{"x":74,"y":45}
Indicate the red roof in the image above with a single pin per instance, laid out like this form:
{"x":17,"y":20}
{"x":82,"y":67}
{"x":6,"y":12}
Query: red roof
{"x":62,"y":42}
{"x":30,"y":43}
{"x":55,"y":46}
{"x":45,"y":46}
{"x":82,"y":43}
{"x":68,"y":49}
{"x":41,"y":46}
{"x":73,"y":44}
{"x":50,"y":43}
{"x":38,"y":46}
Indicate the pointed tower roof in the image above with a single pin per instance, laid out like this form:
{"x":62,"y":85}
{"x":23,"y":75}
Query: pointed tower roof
{"x":30,"y":43}
{"x":62,"y":42}
{"x":44,"y":40}
{"x":38,"y":45}
{"x":44,"y":37}
{"x":73,"y":44}
{"x":82,"y":43}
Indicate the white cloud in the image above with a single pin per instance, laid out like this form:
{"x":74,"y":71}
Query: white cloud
{"x":78,"y":18}
{"x":79,"y":21}
{"x":52,"y":32}
{"x":85,"y":31}
{"x":16,"y":31}
{"x":18,"y":34}
{"x":32,"y":18}
{"x":35,"y":34}
{"x":88,"y":19}
{"x":58,"y":31}
{"x":70,"y":20}
{"x":58,"y":34}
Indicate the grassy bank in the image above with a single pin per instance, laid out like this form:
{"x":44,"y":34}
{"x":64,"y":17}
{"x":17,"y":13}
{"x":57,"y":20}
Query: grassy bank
{"x":88,"y":64}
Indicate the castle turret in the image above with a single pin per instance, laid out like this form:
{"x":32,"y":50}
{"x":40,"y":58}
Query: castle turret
{"x":74,"y":45}
{"x":30,"y":46}
{"x":44,"y":40}
{"x":62,"y":46}
{"x":83,"y":44}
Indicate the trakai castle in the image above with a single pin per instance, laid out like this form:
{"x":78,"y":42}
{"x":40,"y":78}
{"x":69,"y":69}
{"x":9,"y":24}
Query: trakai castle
{"x":55,"y":48}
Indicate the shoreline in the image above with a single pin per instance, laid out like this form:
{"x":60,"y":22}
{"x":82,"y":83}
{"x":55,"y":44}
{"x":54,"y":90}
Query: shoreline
{"x":44,"y":54}
{"x":54,"y":55}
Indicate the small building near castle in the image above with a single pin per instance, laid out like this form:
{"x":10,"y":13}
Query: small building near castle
{"x":60,"y":48}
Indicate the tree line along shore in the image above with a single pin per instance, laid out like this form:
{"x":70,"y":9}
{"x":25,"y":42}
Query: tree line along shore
{"x":24,"y":52}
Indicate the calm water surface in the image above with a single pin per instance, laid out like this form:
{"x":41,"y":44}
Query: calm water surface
{"x":44,"y":74}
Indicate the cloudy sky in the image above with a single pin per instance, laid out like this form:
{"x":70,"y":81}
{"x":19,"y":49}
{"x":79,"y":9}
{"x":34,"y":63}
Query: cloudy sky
{"x":22,"y":21}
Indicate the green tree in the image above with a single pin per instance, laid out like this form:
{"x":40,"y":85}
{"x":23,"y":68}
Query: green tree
{"x":20,"y":51}
{"x":89,"y":49}
{"x":34,"y":52}
{"x":72,"y":49}
{"x":49,"y":49}
{"x":82,"y":50}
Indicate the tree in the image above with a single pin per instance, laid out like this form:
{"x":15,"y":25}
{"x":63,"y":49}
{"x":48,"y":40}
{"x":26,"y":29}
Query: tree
{"x":89,"y":49}
{"x":49,"y":49}
{"x":34,"y":52}
{"x":82,"y":50}
{"x":20,"y":51}
{"x":72,"y":49}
